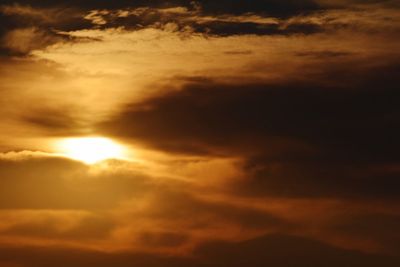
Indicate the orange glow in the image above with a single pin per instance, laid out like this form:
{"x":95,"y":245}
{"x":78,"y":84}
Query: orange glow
{"x":199,"y":133}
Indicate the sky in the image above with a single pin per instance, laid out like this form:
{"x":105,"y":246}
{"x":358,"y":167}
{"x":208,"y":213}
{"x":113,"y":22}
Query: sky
{"x":199,"y":133}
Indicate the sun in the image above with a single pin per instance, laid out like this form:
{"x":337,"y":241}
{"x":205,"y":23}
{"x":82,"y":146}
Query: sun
{"x":90,"y":150}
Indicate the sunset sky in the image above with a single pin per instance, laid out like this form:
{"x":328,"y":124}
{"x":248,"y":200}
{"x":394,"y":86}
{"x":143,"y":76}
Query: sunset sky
{"x":207,"y":133}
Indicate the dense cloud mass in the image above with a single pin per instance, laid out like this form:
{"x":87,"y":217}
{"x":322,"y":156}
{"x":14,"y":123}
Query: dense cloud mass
{"x":199,"y":133}
{"x":324,"y":136}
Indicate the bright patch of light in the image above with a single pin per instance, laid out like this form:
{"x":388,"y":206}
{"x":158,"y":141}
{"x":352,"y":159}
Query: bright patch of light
{"x":90,"y":149}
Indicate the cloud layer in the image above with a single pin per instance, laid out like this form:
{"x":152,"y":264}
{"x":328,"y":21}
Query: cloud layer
{"x":259,"y":133}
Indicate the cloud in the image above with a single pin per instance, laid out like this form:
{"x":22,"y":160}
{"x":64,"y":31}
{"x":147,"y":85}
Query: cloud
{"x":56,"y":120}
{"x":196,"y":20}
{"x":376,"y":226}
{"x":29,"y":26}
{"x":286,"y":251}
{"x":189,"y":21}
{"x":46,"y":182}
{"x":118,"y":207}
{"x":207,"y":114}
{"x":308,"y":132}
{"x":25,"y":28}
{"x":268,"y":250}
{"x":49,"y":224}
{"x":241,"y":6}
{"x":23,"y":41}
{"x":259,"y":132}
{"x":115,"y":205}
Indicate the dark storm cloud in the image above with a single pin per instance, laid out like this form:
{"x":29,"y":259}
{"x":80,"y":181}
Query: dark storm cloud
{"x":273,"y":250}
{"x":271,"y":7}
{"x":306,"y":138}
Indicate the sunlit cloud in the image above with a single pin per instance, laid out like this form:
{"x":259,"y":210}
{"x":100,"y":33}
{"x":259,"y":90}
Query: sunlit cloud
{"x":205,"y":133}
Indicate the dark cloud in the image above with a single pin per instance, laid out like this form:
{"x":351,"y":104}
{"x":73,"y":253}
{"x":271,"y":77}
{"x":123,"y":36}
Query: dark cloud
{"x":345,"y":3}
{"x":285,"y":251}
{"x":203,"y":115}
{"x":94,"y":4}
{"x":189,"y":20}
{"x":274,"y":250}
{"x":279,"y":8}
{"x":237,"y":28}
{"x":373,"y":226}
{"x":320,"y":135}
{"x":184,"y":19}
{"x":47,"y":20}
{"x":319,"y":178}
{"x":24,"y":28}
{"x":324,"y":54}
{"x":271,"y":7}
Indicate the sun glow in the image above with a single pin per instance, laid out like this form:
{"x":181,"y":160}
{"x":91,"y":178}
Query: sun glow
{"x":91,"y":150}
